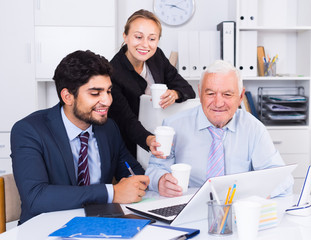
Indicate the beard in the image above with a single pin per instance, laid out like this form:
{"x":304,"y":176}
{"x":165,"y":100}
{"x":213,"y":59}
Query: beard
{"x":87,"y":116}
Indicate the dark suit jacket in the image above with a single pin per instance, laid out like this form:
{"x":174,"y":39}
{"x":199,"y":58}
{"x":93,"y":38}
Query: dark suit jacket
{"x":128,"y":86}
{"x":43,"y":163}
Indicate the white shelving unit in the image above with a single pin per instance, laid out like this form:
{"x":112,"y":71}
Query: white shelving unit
{"x":35,"y":36}
{"x":283,"y":27}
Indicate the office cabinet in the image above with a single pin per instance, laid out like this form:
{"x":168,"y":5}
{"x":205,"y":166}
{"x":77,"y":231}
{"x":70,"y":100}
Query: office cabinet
{"x":64,"y":26}
{"x":86,"y":13}
{"x":35,"y":36}
{"x":18,"y":89}
{"x":5,"y":160}
{"x":54,"y":43}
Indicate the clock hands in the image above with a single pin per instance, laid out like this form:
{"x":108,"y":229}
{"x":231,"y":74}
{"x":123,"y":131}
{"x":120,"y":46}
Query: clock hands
{"x":176,"y":5}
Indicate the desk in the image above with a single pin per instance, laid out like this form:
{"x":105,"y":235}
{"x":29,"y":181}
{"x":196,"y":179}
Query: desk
{"x":289,"y":228}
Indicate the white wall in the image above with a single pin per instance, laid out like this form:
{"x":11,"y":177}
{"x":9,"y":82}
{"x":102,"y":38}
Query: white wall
{"x":208,"y":13}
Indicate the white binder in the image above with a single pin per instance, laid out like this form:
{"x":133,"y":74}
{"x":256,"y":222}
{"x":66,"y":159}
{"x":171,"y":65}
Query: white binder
{"x":248,"y":13}
{"x":248,"y":53}
{"x":209,"y":48}
{"x":183,"y":54}
{"x":194,"y":53}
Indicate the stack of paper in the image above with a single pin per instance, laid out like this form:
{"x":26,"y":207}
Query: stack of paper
{"x":268,"y":215}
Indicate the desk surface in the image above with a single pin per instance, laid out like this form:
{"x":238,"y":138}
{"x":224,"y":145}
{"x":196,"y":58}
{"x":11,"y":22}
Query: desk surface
{"x":39,"y":227}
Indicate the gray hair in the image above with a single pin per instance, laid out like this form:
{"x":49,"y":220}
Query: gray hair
{"x":221,"y":66}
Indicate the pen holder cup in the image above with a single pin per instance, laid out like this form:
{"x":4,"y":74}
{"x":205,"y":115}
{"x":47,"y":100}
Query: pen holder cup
{"x":270,"y":69}
{"x":219,"y":218}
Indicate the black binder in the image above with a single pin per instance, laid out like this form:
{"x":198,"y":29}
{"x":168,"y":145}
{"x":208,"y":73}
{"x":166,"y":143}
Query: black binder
{"x":227,"y":41}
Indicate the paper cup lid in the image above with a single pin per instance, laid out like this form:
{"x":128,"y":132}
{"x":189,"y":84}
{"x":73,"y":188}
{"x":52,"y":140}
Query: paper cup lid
{"x":180,"y":166}
{"x":158,"y":86}
{"x":164,"y":130}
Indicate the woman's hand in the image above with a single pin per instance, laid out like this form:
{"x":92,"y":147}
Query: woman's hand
{"x":151,"y":142}
{"x":168,"y":98}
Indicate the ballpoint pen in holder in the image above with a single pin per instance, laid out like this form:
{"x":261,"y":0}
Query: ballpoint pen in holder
{"x":270,"y":66}
{"x":220,"y":215}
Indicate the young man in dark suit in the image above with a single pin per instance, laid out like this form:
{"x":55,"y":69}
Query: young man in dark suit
{"x":67,"y":156}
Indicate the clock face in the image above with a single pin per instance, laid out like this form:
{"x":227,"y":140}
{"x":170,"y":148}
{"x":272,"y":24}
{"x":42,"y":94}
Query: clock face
{"x":174,"y":12}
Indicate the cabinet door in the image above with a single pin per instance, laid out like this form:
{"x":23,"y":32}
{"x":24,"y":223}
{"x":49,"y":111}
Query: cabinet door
{"x":291,"y":141}
{"x":54,"y":43}
{"x":74,"y":12}
{"x":17,"y":91}
{"x":5,"y":151}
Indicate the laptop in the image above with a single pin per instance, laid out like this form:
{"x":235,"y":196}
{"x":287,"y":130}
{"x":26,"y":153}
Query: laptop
{"x":193,"y":207}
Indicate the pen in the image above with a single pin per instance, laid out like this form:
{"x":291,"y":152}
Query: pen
{"x":227,"y":198}
{"x":129,"y":168}
{"x":214,"y":192}
{"x":223,"y":223}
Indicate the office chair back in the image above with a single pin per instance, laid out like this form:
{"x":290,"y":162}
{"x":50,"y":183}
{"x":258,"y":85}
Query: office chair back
{"x":10,"y":203}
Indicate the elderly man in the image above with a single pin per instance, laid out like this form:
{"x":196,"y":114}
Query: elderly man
{"x":216,"y":138}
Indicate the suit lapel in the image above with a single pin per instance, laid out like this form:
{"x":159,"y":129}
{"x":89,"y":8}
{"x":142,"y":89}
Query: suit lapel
{"x":58,"y":131}
{"x":104,"y":152}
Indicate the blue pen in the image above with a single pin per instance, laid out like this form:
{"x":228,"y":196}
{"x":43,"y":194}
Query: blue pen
{"x":129,"y":168}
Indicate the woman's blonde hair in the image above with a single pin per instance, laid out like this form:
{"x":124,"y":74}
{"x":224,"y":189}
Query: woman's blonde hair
{"x":142,"y":14}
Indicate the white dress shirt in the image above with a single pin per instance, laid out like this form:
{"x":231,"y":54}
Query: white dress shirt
{"x":94,"y":163}
{"x":247,"y":145}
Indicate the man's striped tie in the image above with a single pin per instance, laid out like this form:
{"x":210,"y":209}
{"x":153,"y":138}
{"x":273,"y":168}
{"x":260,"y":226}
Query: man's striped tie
{"x":215,"y":163}
{"x":83,"y":170}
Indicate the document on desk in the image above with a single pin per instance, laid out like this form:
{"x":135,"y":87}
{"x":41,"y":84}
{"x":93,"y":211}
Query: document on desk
{"x":99,"y":227}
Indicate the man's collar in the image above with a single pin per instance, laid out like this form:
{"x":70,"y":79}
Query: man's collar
{"x":204,"y":123}
{"x":72,"y":130}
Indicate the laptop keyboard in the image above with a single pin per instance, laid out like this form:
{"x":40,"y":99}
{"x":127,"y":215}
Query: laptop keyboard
{"x":168,"y":211}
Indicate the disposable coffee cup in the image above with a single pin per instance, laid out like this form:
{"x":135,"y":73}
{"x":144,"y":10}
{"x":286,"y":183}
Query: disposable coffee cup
{"x":157,"y":90}
{"x":181,"y":172}
{"x":164,"y":136}
{"x":247,"y":219}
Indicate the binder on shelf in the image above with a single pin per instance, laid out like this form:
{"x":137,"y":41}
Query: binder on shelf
{"x":248,"y":94}
{"x":194,"y":53}
{"x":227,"y":41}
{"x":197,"y":50}
{"x":183,"y":54}
{"x":209,"y":48}
{"x":260,"y":60}
{"x":246,"y":104}
{"x":248,"y":13}
{"x":248,"y":53}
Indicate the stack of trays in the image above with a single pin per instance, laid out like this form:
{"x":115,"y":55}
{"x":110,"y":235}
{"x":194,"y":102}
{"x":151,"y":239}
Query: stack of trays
{"x":284,"y":108}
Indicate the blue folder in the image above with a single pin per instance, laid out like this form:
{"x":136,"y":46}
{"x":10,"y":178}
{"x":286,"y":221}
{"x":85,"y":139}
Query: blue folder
{"x":99,"y":227}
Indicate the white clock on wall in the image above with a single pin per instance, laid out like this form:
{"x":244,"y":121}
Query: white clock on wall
{"x":174,"y":12}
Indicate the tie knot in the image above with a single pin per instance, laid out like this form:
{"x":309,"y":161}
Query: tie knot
{"x":217,"y":133}
{"x":84,"y":137}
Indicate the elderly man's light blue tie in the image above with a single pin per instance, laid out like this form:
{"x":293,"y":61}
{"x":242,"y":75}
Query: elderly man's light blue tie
{"x":83,"y":170}
{"x":215,"y":163}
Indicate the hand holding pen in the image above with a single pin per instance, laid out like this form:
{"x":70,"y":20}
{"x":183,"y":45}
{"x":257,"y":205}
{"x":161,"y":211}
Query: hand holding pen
{"x":132,"y":189}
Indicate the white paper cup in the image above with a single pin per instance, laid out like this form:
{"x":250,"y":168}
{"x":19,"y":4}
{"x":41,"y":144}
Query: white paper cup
{"x":157,"y":90}
{"x":247,"y":218}
{"x":181,"y":172}
{"x":164,"y":136}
